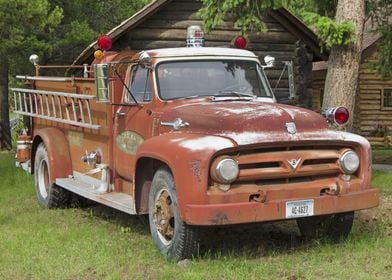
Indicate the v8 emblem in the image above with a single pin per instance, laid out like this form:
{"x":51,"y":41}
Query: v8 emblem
{"x":294,"y":163}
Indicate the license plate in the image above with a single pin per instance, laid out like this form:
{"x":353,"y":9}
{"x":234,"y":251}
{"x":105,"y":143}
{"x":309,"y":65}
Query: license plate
{"x":299,"y":208}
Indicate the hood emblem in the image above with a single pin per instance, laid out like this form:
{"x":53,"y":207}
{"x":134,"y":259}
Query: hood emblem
{"x":177,"y":124}
{"x":291,"y":128}
{"x":294,"y":163}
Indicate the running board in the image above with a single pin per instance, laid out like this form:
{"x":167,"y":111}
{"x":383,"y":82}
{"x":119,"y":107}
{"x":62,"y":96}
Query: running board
{"x":116,"y":200}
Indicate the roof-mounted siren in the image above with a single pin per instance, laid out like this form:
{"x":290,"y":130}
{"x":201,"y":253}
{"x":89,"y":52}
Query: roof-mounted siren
{"x":194,"y":36}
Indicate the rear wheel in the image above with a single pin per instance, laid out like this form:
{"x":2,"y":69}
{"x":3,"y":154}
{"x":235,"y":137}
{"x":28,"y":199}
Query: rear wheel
{"x":334,"y":227}
{"x":173,"y":238}
{"x":48,"y":195}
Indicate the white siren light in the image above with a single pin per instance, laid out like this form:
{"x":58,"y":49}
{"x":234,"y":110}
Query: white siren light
{"x":195,"y":36}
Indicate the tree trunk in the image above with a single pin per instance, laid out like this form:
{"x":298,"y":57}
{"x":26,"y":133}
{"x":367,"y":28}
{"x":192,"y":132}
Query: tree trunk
{"x":5,"y":133}
{"x":344,"y":61}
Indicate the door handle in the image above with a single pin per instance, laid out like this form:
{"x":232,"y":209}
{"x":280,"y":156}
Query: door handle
{"x":120,"y":114}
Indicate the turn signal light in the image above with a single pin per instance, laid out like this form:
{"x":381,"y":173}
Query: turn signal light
{"x":98,"y":54}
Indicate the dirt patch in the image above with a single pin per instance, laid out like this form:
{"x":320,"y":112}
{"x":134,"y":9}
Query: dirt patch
{"x":382,"y":213}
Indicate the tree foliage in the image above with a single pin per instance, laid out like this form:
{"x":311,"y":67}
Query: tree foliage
{"x":56,"y":30}
{"x":248,"y":16}
{"x":329,"y":31}
{"x":247,"y":13}
{"x":24,"y":26}
{"x":84,"y":21}
{"x":380,"y":12}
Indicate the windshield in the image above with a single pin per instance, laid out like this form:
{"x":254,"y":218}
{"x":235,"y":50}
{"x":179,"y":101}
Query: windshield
{"x":187,"y":79}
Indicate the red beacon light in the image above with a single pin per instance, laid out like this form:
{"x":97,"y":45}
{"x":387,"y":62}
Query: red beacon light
{"x":104,"y":42}
{"x":337,"y":115}
{"x":240,"y":42}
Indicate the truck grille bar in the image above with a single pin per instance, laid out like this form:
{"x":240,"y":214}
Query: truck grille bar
{"x":288,"y":165}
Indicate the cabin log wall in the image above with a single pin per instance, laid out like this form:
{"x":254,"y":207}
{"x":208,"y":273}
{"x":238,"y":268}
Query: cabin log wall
{"x":167,"y":28}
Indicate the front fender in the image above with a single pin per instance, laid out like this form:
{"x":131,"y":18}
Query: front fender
{"x":188,"y":156}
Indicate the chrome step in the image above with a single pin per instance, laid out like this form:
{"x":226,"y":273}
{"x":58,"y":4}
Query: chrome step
{"x":116,"y":200}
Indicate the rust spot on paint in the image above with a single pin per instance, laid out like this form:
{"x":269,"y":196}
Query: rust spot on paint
{"x":196,"y":169}
{"x":220,"y":219}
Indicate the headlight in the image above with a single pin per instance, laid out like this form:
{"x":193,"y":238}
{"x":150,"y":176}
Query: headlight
{"x":349,"y":162}
{"x":226,"y":171}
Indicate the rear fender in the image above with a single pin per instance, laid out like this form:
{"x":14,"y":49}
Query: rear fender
{"x":59,"y":156}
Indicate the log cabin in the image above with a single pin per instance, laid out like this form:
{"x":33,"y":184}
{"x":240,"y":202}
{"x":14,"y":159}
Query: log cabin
{"x":163,"y":23}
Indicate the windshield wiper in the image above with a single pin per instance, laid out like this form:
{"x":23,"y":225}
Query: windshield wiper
{"x":236,"y":93}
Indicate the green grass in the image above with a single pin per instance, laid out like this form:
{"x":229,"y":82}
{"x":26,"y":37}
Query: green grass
{"x":382,"y":155}
{"x":99,"y":243}
{"x":383,"y":181}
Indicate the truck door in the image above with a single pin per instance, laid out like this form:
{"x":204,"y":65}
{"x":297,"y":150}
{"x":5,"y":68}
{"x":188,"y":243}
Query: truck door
{"x":133,"y":121}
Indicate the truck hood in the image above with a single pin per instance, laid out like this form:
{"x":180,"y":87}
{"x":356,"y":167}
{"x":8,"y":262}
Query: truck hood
{"x":247,"y":122}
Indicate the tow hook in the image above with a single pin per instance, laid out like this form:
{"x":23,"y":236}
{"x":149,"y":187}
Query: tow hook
{"x":259,"y":197}
{"x":333,"y":190}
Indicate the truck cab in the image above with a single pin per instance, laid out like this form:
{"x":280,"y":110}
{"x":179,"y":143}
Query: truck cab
{"x":192,"y":137}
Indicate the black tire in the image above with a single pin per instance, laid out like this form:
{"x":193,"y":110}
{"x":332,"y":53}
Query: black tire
{"x":334,"y":227}
{"x":173,"y":238}
{"x":48,"y":195}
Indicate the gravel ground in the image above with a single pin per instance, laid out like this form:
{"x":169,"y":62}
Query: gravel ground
{"x":382,"y":167}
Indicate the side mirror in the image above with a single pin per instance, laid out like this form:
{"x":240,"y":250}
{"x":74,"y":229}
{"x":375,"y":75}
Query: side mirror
{"x":101,"y":82}
{"x":145,"y":60}
{"x":269,"y":61}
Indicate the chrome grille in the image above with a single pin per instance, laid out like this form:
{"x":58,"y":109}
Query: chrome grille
{"x":289,"y":165}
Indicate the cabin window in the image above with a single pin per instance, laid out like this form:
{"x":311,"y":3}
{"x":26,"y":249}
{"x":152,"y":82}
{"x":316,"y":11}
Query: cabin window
{"x":140,"y":84}
{"x":387,"y":98}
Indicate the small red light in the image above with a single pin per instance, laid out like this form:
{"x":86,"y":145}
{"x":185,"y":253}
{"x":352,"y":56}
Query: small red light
{"x":199,"y":34}
{"x":240,"y":42}
{"x":104,"y":42}
{"x":341,"y":115}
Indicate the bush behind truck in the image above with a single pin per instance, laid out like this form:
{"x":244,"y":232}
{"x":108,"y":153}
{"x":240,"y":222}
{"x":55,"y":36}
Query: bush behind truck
{"x":192,"y":137}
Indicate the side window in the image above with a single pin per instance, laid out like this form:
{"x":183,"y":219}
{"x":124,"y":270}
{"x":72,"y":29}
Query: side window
{"x":140,"y":84}
{"x":387,"y":99}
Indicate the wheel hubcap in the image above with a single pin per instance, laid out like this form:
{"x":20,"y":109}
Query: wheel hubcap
{"x":164,"y":217}
{"x":43,"y":179}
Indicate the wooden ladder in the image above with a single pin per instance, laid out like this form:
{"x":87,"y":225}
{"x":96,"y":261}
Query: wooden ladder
{"x":63,"y":107}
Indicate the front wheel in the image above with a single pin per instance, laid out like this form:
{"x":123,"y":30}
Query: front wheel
{"x":334,"y":227}
{"x":48,"y":195}
{"x":173,"y":238}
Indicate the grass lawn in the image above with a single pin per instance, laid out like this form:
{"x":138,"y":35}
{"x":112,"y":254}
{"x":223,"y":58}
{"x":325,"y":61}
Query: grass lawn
{"x":382,"y":155}
{"x":100,"y":243}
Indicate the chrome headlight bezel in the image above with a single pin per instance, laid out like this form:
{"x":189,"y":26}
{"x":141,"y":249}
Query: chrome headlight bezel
{"x":349,"y":162}
{"x":226,"y":170}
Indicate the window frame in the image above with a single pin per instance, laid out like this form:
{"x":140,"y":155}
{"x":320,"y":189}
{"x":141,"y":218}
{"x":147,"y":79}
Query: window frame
{"x":383,"y":105}
{"x":128,"y":99}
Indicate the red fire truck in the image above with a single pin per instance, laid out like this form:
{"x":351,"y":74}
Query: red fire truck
{"x":192,"y":137}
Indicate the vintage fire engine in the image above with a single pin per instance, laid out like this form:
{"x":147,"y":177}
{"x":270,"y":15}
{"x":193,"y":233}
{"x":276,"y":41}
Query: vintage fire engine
{"x":192,"y":137}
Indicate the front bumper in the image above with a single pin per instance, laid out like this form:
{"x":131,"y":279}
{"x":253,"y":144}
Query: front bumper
{"x":250,"y":212}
